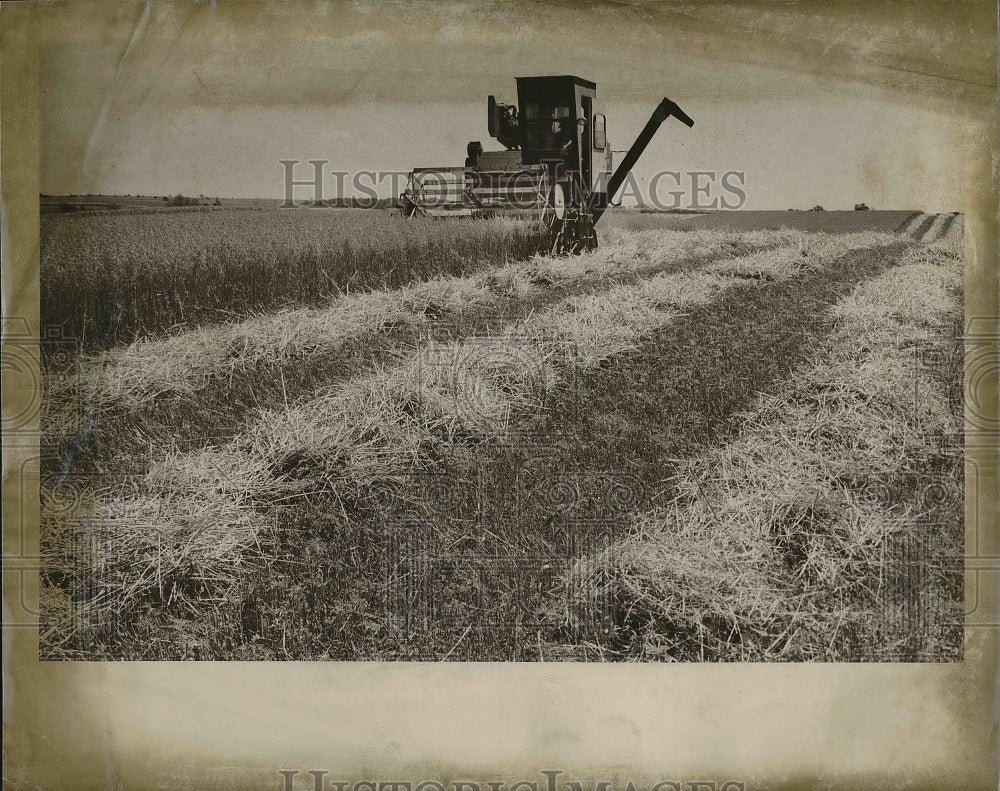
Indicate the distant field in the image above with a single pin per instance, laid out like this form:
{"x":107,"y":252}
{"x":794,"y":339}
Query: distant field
{"x":828,"y":221}
{"x":75,"y":204}
{"x":144,"y":204}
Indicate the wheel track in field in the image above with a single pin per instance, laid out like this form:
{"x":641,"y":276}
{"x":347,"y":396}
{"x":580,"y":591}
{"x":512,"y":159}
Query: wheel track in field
{"x":908,"y":223}
{"x":928,"y":228}
{"x":952,"y":229}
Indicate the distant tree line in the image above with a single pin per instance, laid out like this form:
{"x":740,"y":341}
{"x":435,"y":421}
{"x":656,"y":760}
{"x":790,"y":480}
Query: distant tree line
{"x":180,"y":200}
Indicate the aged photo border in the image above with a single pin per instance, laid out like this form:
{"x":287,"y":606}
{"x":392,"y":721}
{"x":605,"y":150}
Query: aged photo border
{"x":244,"y":725}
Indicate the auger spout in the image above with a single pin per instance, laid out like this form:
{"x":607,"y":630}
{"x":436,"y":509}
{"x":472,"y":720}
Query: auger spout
{"x":663,"y":111}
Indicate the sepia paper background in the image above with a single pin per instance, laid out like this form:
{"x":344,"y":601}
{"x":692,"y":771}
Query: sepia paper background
{"x":234,"y":725}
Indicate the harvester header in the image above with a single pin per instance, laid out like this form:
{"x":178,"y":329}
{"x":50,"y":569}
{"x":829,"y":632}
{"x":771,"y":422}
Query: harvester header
{"x":555,"y":168}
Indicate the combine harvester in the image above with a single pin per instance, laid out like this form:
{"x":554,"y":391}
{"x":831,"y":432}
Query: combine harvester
{"x":555,"y":169}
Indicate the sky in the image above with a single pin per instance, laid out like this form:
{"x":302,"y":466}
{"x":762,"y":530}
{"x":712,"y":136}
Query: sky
{"x":814,"y":108}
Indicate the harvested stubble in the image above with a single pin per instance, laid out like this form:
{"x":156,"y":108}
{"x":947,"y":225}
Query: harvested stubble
{"x":195,"y":519}
{"x":600,"y":326}
{"x":181,"y":364}
{"x":473,"y":387}
{"x":774,"y":546}
{"x":156,"y":541}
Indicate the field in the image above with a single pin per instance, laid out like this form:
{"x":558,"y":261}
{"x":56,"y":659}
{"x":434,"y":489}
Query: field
{"x":114,"y":277}
{"x":825,"y":221}
{"x":341,"y":435}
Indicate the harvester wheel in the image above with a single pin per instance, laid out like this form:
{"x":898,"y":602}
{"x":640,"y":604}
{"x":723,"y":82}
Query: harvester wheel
{"x":553,"y":219}
{"x":409,"y":208}
{"x":554,"y":208}
{"x":577,"y":233}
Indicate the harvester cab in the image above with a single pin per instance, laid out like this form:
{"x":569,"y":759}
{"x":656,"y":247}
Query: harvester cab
{"x":555,"y":169}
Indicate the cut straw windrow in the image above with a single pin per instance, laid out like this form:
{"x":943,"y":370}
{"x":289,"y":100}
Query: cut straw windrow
{"x":191,"y":524}
{"x":774,"y":544}
{"x":182,"y":364}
